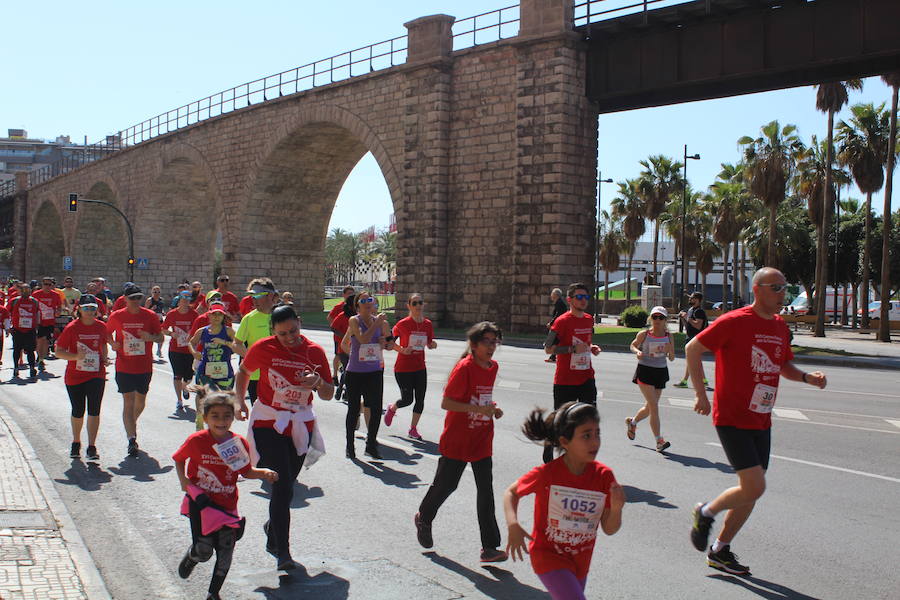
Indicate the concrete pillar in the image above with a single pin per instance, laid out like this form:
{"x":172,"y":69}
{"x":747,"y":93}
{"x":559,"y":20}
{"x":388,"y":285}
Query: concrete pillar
{"x":430,"y":38}
{"x":20,"y":222}
{"x":542,"y":18}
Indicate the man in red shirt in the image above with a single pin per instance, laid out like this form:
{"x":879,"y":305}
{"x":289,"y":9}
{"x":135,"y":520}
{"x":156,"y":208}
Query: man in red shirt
{"x":336,"y":311}
{"x":24,"y":317}
{"x":50,"y":305}
{"x":753,"y":349}
{"x":229,"y":300}
{"x":570,"y":340}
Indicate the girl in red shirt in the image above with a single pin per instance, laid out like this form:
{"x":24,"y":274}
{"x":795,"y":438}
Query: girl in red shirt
{"x":468,"y":438}
{"x":574,"y":494}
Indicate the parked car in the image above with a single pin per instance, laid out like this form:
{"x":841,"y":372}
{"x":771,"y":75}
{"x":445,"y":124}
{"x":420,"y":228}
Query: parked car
{"x":875,"y":310}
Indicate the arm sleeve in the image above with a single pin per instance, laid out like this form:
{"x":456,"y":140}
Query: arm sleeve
{"x":185,"y":451}
{"x":252,"y":360}
{"x":529,"y":482}
{"x":457,"y":387}
{"x":716,"y":335}
{"x":65,"y":339}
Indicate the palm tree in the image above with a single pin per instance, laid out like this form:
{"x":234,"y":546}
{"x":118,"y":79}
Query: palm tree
{"x":612,"y":243}
{"x":884,"y":326}
{"x":672,"y":223}
{"x":768,"y":161}
{"x":830,"y":98}
{"x":725,"y":202}
{"x":863,"y":148}
{"x":660,"y":180}
{"x":628,"y":206}
{"x":707,"y":251}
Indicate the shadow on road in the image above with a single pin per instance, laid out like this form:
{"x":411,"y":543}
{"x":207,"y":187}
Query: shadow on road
{"x":298,"y":584}
{"x":186,"y":414}
{"x":696,"y":461}
{"x":140,"y":468}
{"x":423,"y":446}
{"x":88,"y":476}
{"x":302,"y":493}
{"x":503,"y":585}
{"x":763,"y":588}
{"x":387,"y":475}
{"x":637,"y":495}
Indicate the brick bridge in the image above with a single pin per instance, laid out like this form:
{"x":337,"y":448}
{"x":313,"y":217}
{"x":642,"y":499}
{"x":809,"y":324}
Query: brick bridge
{"x":489,"y":154}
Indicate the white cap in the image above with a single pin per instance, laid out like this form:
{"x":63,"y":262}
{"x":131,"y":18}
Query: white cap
{"x":659,"y":310}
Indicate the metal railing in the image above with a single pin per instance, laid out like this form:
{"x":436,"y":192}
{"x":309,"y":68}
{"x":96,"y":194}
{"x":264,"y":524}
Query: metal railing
{"x":7,"y":188}
{"x":591,"y":11}
{"x":487,"y":27}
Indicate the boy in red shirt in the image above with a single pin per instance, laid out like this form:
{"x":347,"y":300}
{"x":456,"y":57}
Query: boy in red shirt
{"x":24,"y":317}
{"x":50,"y":305}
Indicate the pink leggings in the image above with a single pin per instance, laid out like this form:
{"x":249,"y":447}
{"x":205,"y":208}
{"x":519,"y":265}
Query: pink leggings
{"x":563,"y":585}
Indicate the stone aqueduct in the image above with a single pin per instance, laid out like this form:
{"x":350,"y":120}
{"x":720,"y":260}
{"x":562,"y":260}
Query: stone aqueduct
{"x":474,"y":146}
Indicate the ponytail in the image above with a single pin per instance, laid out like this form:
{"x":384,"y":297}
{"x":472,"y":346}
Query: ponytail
{"x":561,"y":423}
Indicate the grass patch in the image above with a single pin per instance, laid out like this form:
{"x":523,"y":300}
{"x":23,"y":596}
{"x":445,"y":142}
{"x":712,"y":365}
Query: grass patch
{"x":810,"y":351}
{"x":623,"y":336}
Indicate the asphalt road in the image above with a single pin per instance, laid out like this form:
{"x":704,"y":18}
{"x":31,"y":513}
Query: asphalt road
{"x":826,"y":527}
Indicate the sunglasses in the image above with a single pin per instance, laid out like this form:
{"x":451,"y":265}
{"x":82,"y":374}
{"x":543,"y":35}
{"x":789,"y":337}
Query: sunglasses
{"x":658,"y":318}
{"x":136,"y":297}
{"x":776,"y":287}
{"x":417,"y":303}
{"x":88,"y":308}
{"x":366,"y":300}
{"x":259,"y":295}
{"x":223,"y":279}
{"x":580,"y":296}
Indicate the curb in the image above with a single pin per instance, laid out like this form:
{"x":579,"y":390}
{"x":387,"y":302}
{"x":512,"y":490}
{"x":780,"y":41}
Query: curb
{"x":94,"y":586}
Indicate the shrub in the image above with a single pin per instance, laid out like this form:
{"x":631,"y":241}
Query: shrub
{"x":634,"y":316}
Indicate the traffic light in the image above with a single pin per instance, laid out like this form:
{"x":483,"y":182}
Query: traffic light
{"x":73,"y":202}
{"x":130,"y":262}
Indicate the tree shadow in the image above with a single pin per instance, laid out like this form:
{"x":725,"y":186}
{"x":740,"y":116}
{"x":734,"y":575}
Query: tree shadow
{"x":87,"y":476}
{"x":504,"y":584}
{"x":299,"y":584}
{"x":302,"y":493}
{"x":140,"y":468}
{"x":387,"y":475}
{"x":637,"y":495}
{"x":763,"y":588}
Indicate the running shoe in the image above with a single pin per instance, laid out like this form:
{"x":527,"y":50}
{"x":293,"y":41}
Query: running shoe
{"x":700,"y":528}
{"x":185,"y":394}
{"x":92,"y":453}
{"x":41,"y":367}
{"x":351,"y":452}
{"x":15,"y":373}
{"x":414,"y":434}
{"x":423,"y":532}
{"x":373,"y":452}
{"x":179,"y":406}
{"x":493,"y":555}
{"x":662,"y":445}
{"x":213,"y":596}
{"x":682,"y":383}
{"x":630,"y":428}
{"x":725,"y":560}
{"x":32,"y":373}
{"x":159,"y":353}
{"x":186,"y":566}
{"x":75,"y":452}
{"x":286,"y":563}
{"x":389,"y":415}
{"x":133,"y":448}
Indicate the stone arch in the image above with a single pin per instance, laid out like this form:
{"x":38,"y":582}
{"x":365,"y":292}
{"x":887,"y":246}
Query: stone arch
{"x":46,"y":244}
{"x":179,"y":221}
{"x":283,"y":224}
{"x":100,"y":244}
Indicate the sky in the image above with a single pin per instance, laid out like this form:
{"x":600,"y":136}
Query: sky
{"x":94,"y":68}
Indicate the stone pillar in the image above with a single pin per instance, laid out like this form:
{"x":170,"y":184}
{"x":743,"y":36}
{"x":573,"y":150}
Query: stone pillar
{"x":429,"y":38}
{"x":20,"y":222}
{"x":543,"y":18}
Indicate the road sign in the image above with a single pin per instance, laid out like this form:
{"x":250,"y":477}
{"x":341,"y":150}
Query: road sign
{"x":67,"y":263}
{"x":143,"y":263}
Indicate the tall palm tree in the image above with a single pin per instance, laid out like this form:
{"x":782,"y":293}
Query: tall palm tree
{"x":884,"y":326}
{"x":830,"y":98}
{"x":660,"y":180}
{"x":672,"y":223}
{"x":863,"y":143}
{"x":725,"y":202}
{"x":612,"y":243}
{"x":629,"y":207}
{"x":769,"y":163}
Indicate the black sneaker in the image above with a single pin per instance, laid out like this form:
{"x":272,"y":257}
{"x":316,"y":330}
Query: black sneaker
{"x":725,"y":560}
{"x":41,"y":366}
{"x":75,"y":452}
{"x":493,"y":555}
{"x":92,"y":453}
{"x":700,"y":528}
{"x":286,"y":563}
{"x":271,"y":548}
{"x":373,"y":452}
{"x":423,"y":532}
{"x":32,"y":373}
{"x":132,"y":447}
{"x":186,"y":566}
{"x":185,"y":394}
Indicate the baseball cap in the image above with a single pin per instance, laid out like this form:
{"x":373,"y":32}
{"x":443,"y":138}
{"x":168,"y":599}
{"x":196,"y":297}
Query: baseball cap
{"x":659,"y":310}
{"x":217,"y":307}
{"x":213,"y":294}
{"x":88,"y":300}
{"x":132,"y":290}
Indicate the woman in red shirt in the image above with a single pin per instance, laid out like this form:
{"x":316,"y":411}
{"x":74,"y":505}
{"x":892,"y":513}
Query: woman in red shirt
{"x":468,"y":438}
{"x":574,"y":494}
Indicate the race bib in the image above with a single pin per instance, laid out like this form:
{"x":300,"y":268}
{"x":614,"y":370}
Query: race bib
{"x":181,"y":336}
{"x":46,"y":312}
{"x":657,"y":349}
{"x":286,"y":396}
{"x":132,"y":345}
{"x":233,"y":453}
{"x":581,"y":361}
{"x":575,"y":510}
{"x":91,"y":361}
{"x":482,"y":400}
{"x":763,"y":398}
{"x":370,"y":352}
{"x":25,"y":320}
{"x":217,"y":370}
{"x":418,"y":341}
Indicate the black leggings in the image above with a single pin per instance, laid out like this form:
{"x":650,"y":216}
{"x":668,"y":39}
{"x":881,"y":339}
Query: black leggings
{"x":221,"y":541}
{"x":89,"y":393}
{"x":446,"y":479}
{"x":23,"y":341}
{"x":413,"y":383}
{"x":252,"y":390}
{"x":277,"y":452}
{"x":369,"y":386}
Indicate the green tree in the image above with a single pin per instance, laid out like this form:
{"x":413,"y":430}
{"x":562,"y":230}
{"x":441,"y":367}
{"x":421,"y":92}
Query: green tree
{"x":793,"y":237}
{"x":612,"y":243}
{"x":628,"y":206}
{"x":884,"y":328}
{"x":660,"y":181}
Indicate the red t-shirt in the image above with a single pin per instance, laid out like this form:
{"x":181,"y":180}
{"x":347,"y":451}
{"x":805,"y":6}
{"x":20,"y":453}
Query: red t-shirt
{"x":336,"y":310}
{"x":573,"y":369}
{"x":750,"y":352}
{"x":135,"y":355}
{"x":24,"y":313}
{"x":196,"y":302}
{"x":50,"y":303}
{"x":280,"y":369}
{"x":469,"y":436}
{"x":339,"y":325}
{"x":181,"y":324}
{"x":230,"y":301}
{"x":245,"y":305}
{"x":203,"y":320}
{"x":119,"y":304}
{"x":209,"y":472}
{"x":92,"y":340}
{"x":567,"y":511}
{"x":421,"y":335}
{"x":4,"y":315}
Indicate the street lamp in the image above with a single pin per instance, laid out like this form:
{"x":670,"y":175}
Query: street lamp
{"x":683,"y":219}
{"x":600,"y":181}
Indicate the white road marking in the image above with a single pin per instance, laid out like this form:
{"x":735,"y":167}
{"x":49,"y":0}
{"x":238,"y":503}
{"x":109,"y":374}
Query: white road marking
{"x":824,"y":466}
{"x":512,"y":385}
{"x":681,"y":402}
{"x":789,"y":413}
{"x":893,"y":422}
{"x":860,"y":393}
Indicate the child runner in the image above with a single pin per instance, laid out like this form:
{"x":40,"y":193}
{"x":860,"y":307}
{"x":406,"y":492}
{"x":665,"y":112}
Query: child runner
{"x":50,"y":304}
{"x":652,"y":347}
{"x":339,"y":326}
{"x":5,"y":327}
{"x":208,"y":465}
{"x":573,"y":495}
{"x":468,"y":438}
{"x":414,"y":334}
{"x":157,"y":305}
{"x":24,"y":316}
{"x":84,"y":344}
{"x":177,"y":325}
{"x":214,"y":368}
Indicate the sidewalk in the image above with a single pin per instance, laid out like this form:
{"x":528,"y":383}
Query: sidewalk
{"x":42,"y":556}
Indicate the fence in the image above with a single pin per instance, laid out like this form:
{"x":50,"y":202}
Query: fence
{"x":591,"y":11}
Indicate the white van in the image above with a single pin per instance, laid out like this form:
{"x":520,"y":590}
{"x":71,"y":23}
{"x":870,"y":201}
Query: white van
{"x":800,"y":305}
{"x":875,"y":310}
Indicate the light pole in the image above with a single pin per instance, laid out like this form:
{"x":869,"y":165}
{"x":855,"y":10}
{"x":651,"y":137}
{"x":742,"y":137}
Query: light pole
{"x":683,"y":278}
{"x":600,"y":182}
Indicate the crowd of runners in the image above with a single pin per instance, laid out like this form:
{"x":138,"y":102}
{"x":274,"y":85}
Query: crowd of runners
{"x":279,"y":371}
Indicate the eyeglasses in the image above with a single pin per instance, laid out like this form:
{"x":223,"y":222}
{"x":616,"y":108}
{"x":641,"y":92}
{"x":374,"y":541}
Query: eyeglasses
{"x":366,"y":300}
{"x":580,"y":296}
{"x":417,"y":303}
{"x":259,"y":295}
{"x":776,"y":287}
{"x":658,"y":318}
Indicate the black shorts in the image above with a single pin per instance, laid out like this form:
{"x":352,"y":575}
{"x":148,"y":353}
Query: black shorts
{"x":585,"y":392}
{"x":655,"y":376}
{"x":133,"y":382}
{"x":745,"y":448}
{"x":45,"y":331}
{"x":182,"y":365}
{"x":88,"y":393}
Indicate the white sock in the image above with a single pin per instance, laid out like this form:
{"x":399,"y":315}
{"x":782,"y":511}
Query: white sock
{"x":718,"y":545}
{"x":704,"y":510}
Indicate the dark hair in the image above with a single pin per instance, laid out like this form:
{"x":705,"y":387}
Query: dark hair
{"x":570,"y":291}
{"x":477,"y":332}
{"x":348,"y":288}
{"x":350,"y":306}
{"x":356,"y":298}
{"x":282,"y":313}
{"x":562,"y":422}
{"x":208,"y":398}
{"x":697,"y":295}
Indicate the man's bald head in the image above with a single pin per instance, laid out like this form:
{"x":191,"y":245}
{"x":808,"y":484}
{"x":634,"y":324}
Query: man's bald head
{"x":768,"y":275}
